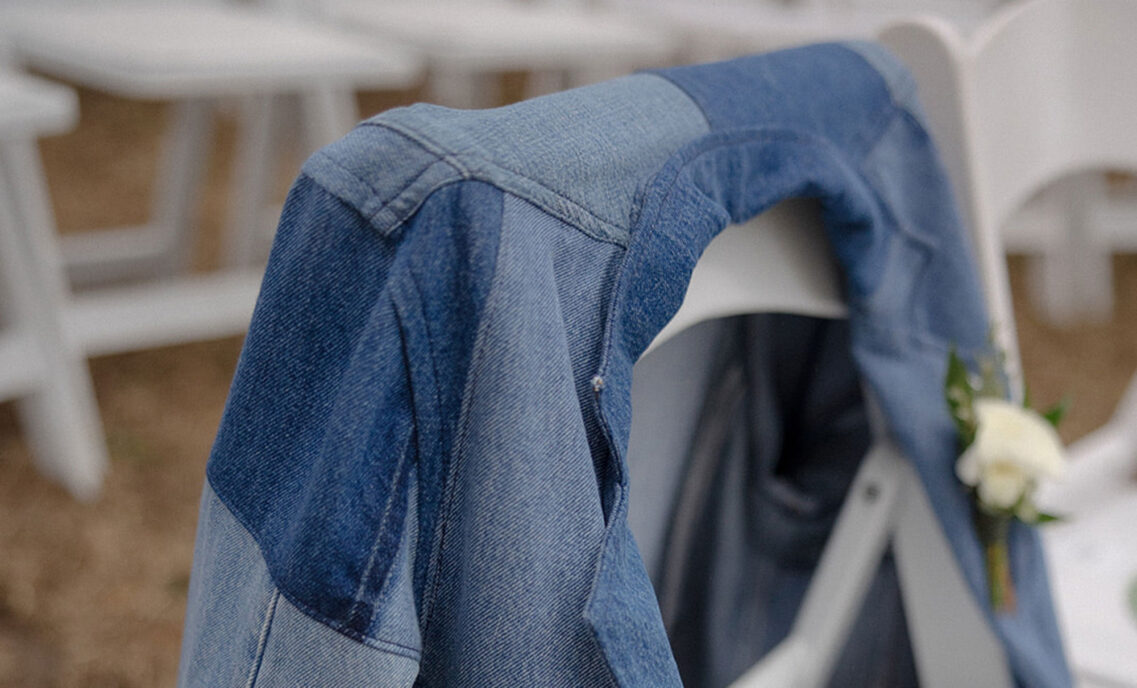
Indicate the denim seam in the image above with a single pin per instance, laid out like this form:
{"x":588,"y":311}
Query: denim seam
{"x":485,"y":172}
{"x":892,"y":95}
{"x":385,"y":205}
{"x":925,"y":241}
{"x":430,"y":580}
{"x":904,"y":233}
{"x":374,"y":553}
{"x":598,"y":568}
{"x":460,"y":440}
{"x":262,"y":642}
{"x":317,"y":616}
{"x":892,"y":104}
{"x":423,"y":140}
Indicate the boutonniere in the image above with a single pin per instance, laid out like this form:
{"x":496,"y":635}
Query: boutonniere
{"x":1007,"y":449}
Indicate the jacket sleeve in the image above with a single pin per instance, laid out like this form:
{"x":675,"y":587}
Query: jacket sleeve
{"x":303,"y":568}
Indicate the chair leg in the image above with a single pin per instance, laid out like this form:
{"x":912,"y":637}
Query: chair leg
{"x":461,"y":88}
{"x":545,"y":81}
{"x":944,"y":621}
{"x":252,"y":178}
{"x":59,"y":413}
{"x":182,"y":172}
{"x":164,"y":245}
{"x":852,"y":556}
{"x":329,"y":114}
{"x":1073,"y":279}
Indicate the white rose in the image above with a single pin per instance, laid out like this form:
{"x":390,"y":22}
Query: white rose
{"x":1014,"y":448}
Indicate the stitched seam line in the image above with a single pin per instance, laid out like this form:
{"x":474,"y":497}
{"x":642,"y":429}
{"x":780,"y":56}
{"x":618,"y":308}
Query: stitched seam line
{"x":430,"y":578}
{"x":386,"y":205}
{"x":315,"y":615}
{"x":459,"y":445}
{"x":262,"y":642}
{"x":457,"y":158}
{"x":374,"y":554}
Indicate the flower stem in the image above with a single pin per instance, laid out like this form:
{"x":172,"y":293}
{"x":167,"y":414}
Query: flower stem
{"x":999,"y":584}
{"x":993,"y":533}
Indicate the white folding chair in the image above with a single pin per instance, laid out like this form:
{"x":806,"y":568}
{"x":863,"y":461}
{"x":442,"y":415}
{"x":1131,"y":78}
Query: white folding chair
{"x":467,"y":44}
{"x":715,"y":30}
{"x":197,"y":55}
{"x":780,"y":262}
{"x":40,"y":364}
{"x":1045,"y":92}
{"x":1042,"y":96}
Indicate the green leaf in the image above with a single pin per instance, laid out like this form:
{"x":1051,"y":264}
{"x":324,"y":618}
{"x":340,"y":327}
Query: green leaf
{"x":956,"y":371}
{"x":991,"y":373}
{"x":1057,"y":412}
{"x":1044,"y":517}
{"x":960,"y":396}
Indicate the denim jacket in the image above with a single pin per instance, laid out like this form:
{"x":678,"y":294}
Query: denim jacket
{"x":421,"y":472}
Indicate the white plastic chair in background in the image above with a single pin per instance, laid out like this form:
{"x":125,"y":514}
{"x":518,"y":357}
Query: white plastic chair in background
{"x":40,"y":365}
{"x":719,"y":29}
{"x":1046,"y":92}
{"x":468,"y":44}
{"x":1043,"y":99}
{"x":780,"y":262}
{"x":195,"y":54}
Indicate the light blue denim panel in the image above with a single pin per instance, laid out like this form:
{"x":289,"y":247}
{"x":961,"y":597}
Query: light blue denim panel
{"x":230,"y":598}
{"x":577,"y":155}
{"x":241,"y":631}
{"x":525,"y":520}
{"x":302,"y":651}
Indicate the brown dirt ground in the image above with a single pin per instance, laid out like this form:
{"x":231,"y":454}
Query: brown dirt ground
{"x":92,"y":595}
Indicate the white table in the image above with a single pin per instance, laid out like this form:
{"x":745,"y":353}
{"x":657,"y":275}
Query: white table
{"x":464,"y":41}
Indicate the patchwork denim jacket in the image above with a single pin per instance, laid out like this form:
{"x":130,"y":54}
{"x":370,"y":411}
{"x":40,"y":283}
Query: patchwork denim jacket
{"x":420,"y":476}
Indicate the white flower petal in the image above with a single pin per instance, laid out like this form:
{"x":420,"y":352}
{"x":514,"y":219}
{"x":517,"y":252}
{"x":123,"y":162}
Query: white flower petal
{"x":1009,"y":433}
{"x":1002,"y":486}
{"x":968,"y":467}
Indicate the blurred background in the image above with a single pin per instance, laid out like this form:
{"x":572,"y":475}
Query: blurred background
{"x":94,"y":563}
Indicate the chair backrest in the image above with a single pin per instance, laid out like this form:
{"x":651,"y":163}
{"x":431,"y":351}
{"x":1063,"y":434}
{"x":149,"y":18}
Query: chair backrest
{"x":781,"y":261}
{"x":778,"y":262}
{"x":1049,"y":96}
{"x":1035,"y":95}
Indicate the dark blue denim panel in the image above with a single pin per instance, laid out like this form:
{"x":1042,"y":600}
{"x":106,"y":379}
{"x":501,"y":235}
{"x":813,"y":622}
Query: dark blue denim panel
{"x":316,"y":444}
{"x":450,"y":254}
{"x":302,"y":413}
{"x":817,"y":89}
{"x":729,"y":177}
{"x":240,"y":631}
{"x":524,"y":520}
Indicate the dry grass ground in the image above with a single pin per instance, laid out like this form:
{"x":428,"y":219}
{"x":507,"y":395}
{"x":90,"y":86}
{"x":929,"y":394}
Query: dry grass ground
{"x":92,"y":595}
